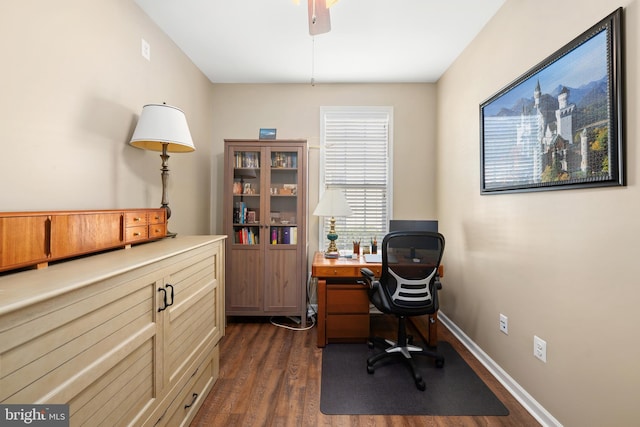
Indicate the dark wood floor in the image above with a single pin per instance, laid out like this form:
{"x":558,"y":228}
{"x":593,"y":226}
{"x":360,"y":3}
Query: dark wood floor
{"x":270,"y":376}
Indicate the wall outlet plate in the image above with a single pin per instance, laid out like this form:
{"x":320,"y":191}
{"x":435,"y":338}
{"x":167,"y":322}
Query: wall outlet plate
{"x":504,"y":324}
{"x":540,"y":348}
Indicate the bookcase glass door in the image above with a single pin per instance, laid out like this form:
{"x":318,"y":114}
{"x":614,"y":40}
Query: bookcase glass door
{"x":246,"y":197}
{"x":283,"y":198}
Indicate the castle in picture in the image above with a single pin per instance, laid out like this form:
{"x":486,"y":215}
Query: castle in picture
{"x":551,"y":137}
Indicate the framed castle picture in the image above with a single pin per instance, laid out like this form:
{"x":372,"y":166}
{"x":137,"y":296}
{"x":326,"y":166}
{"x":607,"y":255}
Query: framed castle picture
{"x":559,"y":125}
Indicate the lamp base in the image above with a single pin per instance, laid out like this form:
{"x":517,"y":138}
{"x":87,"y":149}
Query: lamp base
{"x":332,"y":255}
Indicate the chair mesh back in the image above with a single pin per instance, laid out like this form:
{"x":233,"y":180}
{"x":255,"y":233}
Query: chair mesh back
{"x":410,"y":261}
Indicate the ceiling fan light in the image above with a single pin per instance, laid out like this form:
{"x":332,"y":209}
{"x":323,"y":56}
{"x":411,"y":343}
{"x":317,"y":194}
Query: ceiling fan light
{"x":319,"y":19}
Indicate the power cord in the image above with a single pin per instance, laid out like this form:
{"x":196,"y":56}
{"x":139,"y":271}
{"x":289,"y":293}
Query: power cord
{"x":292,"y":328}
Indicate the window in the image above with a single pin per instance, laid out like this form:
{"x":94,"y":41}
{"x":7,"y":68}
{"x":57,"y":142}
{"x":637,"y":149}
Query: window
{"x":355,"y":156}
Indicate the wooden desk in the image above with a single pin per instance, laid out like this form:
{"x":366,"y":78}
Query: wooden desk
{"x":343,"y":303}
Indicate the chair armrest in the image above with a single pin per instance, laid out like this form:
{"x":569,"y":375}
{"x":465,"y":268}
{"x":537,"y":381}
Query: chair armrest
{"x":437,"y":282}
{"x":369,"y":277}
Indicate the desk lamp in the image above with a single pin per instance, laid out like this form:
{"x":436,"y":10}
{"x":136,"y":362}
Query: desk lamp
{"x":164,"y":128}
{"x":332,"y":203}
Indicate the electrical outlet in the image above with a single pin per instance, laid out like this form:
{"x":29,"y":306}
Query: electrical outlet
{"x":146,"y":50}
{"x":540,"y":348}
{"x":504,"y":323}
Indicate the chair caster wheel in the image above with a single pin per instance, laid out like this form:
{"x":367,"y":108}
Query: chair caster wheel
{"x":370,"y":369}
{"x":370,"y":344}
{"x":421,"y":385}
{"x":439,"y":362}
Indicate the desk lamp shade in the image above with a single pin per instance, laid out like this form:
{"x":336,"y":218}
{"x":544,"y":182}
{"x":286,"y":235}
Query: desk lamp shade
{"x":332,"y":203}
{"x":163,"y":128}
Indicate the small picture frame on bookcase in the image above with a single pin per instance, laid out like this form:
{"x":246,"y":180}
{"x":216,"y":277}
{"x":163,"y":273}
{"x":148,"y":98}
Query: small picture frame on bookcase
{"x":267,"y":133}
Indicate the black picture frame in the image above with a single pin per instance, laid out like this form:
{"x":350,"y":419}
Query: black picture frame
{"x":559,"y":125}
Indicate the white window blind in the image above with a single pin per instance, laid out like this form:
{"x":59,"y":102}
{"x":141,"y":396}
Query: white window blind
{"x":355,"y":157}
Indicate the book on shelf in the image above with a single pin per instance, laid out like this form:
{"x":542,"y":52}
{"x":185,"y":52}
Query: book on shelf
{"x":240,"y":213}
{"x":247,"y":159}
{"x":247,"y":236}
{"x":284,"y":235}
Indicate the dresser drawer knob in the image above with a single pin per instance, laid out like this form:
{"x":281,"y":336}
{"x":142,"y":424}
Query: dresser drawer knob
{"x":136,"y":234}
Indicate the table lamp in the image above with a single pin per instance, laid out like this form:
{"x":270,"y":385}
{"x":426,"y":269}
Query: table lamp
{"x":332,"y":203}
{"x":164,"y":128}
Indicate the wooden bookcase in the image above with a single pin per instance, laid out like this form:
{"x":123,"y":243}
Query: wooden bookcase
{"x":265,"y":217}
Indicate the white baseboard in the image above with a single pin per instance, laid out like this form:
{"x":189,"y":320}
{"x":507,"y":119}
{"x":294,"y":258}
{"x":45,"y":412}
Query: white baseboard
{"x":520,"y":394}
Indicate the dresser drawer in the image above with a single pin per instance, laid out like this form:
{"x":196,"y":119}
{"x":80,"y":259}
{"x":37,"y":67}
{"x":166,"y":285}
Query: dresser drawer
{"x":135,"y":218}
{"x":157,"y":230}
{"x":133,"y":234}
{"x":157,"y":216}
{"x":190,"y":399}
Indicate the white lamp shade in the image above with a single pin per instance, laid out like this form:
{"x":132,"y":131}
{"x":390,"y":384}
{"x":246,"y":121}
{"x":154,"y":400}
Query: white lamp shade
{"x":333,"y":203}
{"x":161,"y":124}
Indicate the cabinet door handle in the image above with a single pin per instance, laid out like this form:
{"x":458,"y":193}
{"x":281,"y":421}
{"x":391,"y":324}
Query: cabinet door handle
{"x":164,"y":299}
{"x":170,"y":286}
{"x":193,"y":400}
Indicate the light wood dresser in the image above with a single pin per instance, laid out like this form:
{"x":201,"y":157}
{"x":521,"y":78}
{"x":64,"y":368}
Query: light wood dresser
{"x":126,"y":337}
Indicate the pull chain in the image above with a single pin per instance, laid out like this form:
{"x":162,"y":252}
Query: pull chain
{"x":313,"y":61}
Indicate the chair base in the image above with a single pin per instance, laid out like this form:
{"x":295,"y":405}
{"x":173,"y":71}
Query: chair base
{"x":403,"y":348}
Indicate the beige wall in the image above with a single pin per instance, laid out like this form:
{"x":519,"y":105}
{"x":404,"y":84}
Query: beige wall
{"x":72,"y":85}
{"x":560,"y":264}
{"x":294,"y":110}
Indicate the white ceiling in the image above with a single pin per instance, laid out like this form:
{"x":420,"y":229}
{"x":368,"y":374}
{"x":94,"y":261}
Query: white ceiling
{"x":371,"y":41}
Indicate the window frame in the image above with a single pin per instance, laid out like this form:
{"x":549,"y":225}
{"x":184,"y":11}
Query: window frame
{"x":323,"y":225}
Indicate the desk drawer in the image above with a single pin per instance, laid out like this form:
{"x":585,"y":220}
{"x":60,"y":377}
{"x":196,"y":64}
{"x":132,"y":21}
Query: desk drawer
{"x":338,"y":271}
{"x":348,"y":326}
{"x":354,"y":301}
{"x":345,"y":271}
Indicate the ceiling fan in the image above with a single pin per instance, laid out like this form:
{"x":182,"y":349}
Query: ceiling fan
{"x":319,"y":19}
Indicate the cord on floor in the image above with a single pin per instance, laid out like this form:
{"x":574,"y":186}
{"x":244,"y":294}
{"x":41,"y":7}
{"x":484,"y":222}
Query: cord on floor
{"x":292,"y":328}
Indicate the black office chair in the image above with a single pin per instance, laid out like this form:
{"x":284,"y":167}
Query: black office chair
{"x":408,"y":286}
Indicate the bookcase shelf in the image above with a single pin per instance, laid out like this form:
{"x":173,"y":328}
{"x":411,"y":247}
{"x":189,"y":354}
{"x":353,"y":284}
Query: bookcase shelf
{"x":265,"y":202}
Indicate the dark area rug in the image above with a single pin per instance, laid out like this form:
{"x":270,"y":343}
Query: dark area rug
{"x":347,"y":388}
